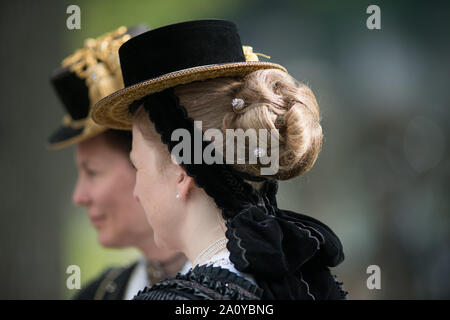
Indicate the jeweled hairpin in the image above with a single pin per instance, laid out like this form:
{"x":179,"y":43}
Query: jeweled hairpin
{"x":238,"y":104}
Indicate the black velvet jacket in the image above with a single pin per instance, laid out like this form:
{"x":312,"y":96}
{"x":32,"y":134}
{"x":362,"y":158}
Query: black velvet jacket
{"x":110,"y":285}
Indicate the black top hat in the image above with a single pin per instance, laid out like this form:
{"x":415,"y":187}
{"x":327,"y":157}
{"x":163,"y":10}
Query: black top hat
{"x":85,"y":77}
{"x":174,"y":55}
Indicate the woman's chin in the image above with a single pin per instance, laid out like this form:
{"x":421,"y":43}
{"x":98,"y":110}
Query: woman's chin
{"x":107,"y":240}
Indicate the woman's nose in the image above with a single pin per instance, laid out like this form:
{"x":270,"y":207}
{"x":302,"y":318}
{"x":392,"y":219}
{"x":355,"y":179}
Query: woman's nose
{"x":80,"y":195}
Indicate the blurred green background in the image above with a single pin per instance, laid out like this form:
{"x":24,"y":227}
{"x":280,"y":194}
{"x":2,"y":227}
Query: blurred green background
{"x":382,"y":179}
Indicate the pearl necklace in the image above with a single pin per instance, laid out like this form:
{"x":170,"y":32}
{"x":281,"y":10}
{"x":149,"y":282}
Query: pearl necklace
{"x":210,"y":251}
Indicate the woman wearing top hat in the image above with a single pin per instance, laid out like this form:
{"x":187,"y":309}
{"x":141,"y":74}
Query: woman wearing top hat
{"x":222,"y":215}
{"x":105,"y":176}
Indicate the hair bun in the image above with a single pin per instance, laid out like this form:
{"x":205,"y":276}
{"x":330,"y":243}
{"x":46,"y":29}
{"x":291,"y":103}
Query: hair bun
{"x":276,"y":100}
{"x":264,"y":99}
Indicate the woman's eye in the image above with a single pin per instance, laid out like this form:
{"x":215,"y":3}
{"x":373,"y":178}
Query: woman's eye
{"x":91,"y":173}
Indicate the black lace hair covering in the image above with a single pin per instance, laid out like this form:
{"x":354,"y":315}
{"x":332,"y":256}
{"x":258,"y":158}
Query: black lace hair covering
{"x":288,"y":253}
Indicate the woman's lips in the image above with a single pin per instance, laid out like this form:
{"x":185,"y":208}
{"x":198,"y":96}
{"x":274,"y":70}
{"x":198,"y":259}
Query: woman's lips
{"x":97,"y":221}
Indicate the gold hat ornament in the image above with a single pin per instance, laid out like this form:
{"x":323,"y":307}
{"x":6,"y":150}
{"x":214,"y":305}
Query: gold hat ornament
{"x":88,"y":75}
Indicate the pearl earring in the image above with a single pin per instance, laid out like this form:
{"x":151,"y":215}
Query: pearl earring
{"x":177,"y":196}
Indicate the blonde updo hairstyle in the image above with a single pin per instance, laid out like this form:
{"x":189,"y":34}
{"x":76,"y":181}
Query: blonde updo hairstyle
{"x":273,"y":100}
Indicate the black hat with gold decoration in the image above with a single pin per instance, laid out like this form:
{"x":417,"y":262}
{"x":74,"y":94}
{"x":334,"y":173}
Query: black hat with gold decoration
{"x":85,"y":77}
{"x":174,"y":55}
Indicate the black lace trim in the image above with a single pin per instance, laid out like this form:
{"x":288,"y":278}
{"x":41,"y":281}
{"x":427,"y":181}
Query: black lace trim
{"x":202,"y":283}
{"x":342,"y":293}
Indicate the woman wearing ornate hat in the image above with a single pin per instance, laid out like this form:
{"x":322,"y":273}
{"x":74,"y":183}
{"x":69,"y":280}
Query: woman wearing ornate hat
{"x":106,"y":177}
{"x":182,"y":81}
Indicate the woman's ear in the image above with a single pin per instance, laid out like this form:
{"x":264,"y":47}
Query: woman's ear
{"x":184,"y":184}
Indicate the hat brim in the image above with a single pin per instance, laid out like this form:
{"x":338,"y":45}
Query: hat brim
{"x":66,"y":136}
{"x":112,"y":111}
